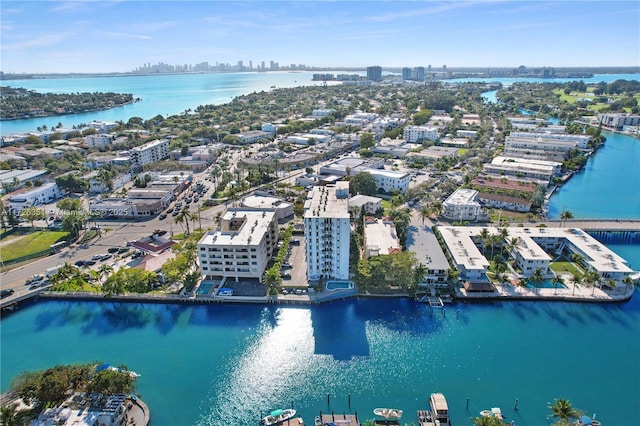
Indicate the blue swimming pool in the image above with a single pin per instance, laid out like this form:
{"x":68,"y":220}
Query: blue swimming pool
{"x":339,"y":285}
{"x":547,"y":283}
{"x":204,"y":288}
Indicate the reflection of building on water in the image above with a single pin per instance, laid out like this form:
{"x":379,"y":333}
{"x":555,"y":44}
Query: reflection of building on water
{"x":340,"y":333}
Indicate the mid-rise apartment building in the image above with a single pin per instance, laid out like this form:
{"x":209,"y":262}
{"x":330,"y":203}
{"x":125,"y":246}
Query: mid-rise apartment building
{"x":328,"y":232}
{"x":414,"y":134}
{"x":241,"y":247}
{"x":148,"y":153}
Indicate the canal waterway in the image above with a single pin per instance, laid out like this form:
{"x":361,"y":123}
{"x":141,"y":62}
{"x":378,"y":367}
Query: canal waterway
{"x":227,"y":364}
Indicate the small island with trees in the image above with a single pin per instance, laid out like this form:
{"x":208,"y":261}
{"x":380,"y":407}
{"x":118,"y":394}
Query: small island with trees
{"x":19,"y":103}
{"x":97,"y":391}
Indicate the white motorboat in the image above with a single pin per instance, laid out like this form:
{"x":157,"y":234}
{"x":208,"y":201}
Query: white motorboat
{"x":494,"y":412}
{"x":388,"y":413}
{"x":278,"y":416}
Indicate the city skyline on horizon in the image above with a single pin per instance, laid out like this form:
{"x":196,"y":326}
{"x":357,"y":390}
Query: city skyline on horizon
{"x":459,"y":34}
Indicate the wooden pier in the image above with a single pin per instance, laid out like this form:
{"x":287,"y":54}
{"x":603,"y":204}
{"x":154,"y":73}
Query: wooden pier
{"x":340,"y":419}
{"x":425,"y":418}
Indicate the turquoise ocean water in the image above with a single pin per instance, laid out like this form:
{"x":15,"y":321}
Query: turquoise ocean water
{"x":219,"y":365}
{"x":215,"y":365}
{"x":160,"y":94}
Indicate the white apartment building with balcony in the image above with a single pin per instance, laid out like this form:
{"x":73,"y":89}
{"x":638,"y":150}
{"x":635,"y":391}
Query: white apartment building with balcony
{"x":327,"y":231}
{"x":462,"y":205}
{"x":241,"y":247}
{"x":148,"y":153}
{"x":414,"y":134}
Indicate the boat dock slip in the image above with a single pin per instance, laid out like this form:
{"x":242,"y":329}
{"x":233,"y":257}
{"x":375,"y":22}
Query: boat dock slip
{"x":340,"y":420}
{"x":425,"y":418}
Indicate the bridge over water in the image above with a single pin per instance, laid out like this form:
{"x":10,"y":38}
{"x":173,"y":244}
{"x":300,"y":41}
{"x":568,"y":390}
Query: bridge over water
{"x":604,"y":230}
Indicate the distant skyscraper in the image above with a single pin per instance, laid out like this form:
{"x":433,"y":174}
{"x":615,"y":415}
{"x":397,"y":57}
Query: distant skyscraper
{"x":406,"y":73}
{"x":250,"y":65}
{"x":374,"y":73}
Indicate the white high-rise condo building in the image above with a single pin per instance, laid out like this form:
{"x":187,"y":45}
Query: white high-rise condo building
{"x":328,"y":232}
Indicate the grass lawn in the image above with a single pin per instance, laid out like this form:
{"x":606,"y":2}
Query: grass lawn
{"x":566,"y":266}
{"x":386,"y":206}
{"x":32,"y":243}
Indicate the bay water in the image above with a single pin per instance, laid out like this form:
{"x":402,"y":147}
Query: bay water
{"x":230,"y":364}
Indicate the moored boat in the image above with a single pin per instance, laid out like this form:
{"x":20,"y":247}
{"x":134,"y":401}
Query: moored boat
{"x":388,"y":413}
{"x":439,"y":408}
{"x":494,"y":412}
{"x":276,"y":417}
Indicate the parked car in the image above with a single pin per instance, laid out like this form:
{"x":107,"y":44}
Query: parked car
{"x":162,"y":216}
{"x":285,"y":276}
{"x":113,"y":249}
{"x":89,"y":262}
{"x":80,"y":263}
{"x":160,"y":232}
{"x":105,"y":257}
{"x":294,"y":242}
{"x":123,"y":250}
{"x":96,"y":257}
{"x":35,"y":278}
{"x":6,"y":292}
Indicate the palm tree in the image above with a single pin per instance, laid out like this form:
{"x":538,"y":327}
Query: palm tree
{"x":184,"y":217}
{"x":419,"y":272}
{"x":436,"y":208}
{"x":488,"y":421}
{"x":104,"y":270}
{"x":628,"y":282}
{"x":564,"y":216}
{"x":564,"y":411}
{"x":424,"y":213}
{"x":484,"y":237}
{"x":557,"y":280}
{"x":592,"y":278}
{"x":576,"y":280}
{"x":537,"y":278}
{"x":512,"y":245}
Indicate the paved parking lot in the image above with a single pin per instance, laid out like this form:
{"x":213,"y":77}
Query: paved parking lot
{"x":298,"y":262}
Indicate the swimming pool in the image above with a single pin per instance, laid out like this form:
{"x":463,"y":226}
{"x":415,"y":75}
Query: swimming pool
{"x":339,"y":285}
{"x":547,"y":283}
{"x":204,"y":288}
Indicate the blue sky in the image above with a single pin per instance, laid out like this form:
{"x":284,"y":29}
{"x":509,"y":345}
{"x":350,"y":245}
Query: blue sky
{"x":118,"y":36}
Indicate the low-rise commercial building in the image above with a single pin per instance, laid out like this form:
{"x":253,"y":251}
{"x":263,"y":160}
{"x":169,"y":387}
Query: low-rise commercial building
{"x":34,"y":197}
{"x":618,"y":121}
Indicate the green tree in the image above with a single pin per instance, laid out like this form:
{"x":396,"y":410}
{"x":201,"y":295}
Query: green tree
{"x":563,"y":411}
{"x":69,"y":204}
{"x":110,"y":381}
{"x":488,"y":421}
{"x":366,"y":140}
{"x":32,"y":214}
{"x":424,"y":213}
{"x":71,"y":183}
{"x":422,"y":117}
{"x":363,"y":183}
